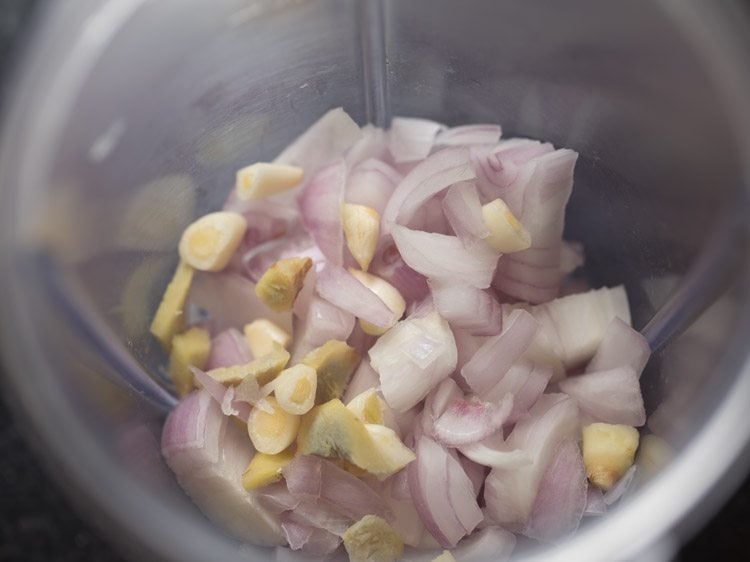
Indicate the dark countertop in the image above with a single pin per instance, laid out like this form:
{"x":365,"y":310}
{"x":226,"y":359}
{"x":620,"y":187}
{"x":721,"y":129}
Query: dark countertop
{"x":38,"y":524}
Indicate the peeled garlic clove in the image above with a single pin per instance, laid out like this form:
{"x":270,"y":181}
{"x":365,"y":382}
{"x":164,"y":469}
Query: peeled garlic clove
{"x":295,"y":388}
{"x":507,"y":234}
{"x":263,"y":179}
{"x":362,"y":229}
{"x":387,"y":293}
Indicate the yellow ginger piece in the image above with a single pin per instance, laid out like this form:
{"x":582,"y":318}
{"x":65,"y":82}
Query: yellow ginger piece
{"x":262,"y":334}
{"x":265,"y":469}
{"x":209,"y":243}
{"x":332,"y":430}
{"x":272,"y":431}
{"x":446,"y":556}
{"x":188,"y":348}
{"x":361,"y":229}
{"x":372,"y":539}
{"x":507,"y":235}
{"x":389,"y":446}
{"x":169,"y":318}
{"x":608,"y":452}
{"x":279,"y":285}
{"x":295,"y":389}
{"x":334,"y":362}
{"x":264,"y":179}
{"x":387,"y":293}
{"x":263,"y":370}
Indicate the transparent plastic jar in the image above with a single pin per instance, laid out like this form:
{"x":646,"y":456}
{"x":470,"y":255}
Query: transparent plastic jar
{"x":129,"y":117}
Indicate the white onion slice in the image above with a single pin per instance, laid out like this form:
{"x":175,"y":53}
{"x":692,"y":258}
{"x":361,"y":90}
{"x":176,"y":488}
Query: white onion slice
{"x":526,"y":381}
{"x":490,"y":543}
{"x":413,"y":357}
{"x":342,"y":289}
{"x":390,"y":266}
{"x":224,"y":396}
{"x":320,"y":206}
{"x":445,"y":258}
{"x":621,"y":346}
{"x":475,"y":471}
{"x":429,"y":177}
{"x":469,"y":421}
{"x":622,"y":488}
{"x":258,"y":259}
{"x":442,"y":494}
{"x":463,"y":210}
{"x":467,"y":307}
{"x":538,"y":197}
{"x":411,"y":139}
{"x":574,"y":326}
{"x":494,"y":452}
{"x":208,"y":454}
{"x":437,"y":402}
{"x":323,"y":141}
{"x":594,"y":502}
{"x":363,"y":379}
{"x":309,"y":540}
{"x":373,"y":144}
{"x":497,"y":354}
{"x":371,"y":184}
{"x":498,"y":165}
{"x":485,"y":133}
{"x":509,"y":493}
{"x":612,"y":396}
{"x":322,"y":322}
{"x":561,"y":499}
{"x":228,"y":348}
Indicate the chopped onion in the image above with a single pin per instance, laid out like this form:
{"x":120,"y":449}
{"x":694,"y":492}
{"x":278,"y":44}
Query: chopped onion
{"x":497,"y":354}
{"x":594,"y":502}
{"x":413,"y":357}
{"x":231,"y":301}
{"x":266,"y":218}
{"x":225,"y":397}
{"x":323,"y":141}
{"x":490,"y":543}
{"x":320,"y":206}
{"x":498,"y":165}
{"x":363,"y":379}
{"x":485,"y":133}
{"x":526,"y":381}
{"x":494,"y":452}
{"x":467,"y":307}
{"x":442,"y":494}
{"x":371,"y":184}
{"x":538,"y":197}
{"x":310,"y":475}
{"x":442,"y":257}
{"x":623,"y":486}
{"x":208,"y":454}
{"x":372,"y":145}
{"x":437,"y":401}
{"x":475,"y":471}
{"x":411,"y":139}
{"x":463,"y":210}
{"x":574,"y":326}
{"x":390,"y":266}
{"x":509,"y":492}
{"x":228,"y":348}
{"x":612,"y":396}
{"x":308,"y":539}
{"x":405,"y":519}
{"x":621,"y":346}
{"x":342,"y":289}
{"x":561,"y":499}
{"x":429,"y":177}
{"x":322,"y":322}
{"x":469,"y":421}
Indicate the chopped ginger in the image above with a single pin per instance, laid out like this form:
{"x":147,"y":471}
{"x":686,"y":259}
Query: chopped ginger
{"x":208,"y":243}
{"x":279,"y":285}
{"x":169,"y":318}
{"x":188,"y":348}
{"x":272,"y":432}
{"x":265,"y":469}
{"x":263,"y":369}
{"x":608,"y":452}
{"x":334,"y":362}
{"x":372,"y":539}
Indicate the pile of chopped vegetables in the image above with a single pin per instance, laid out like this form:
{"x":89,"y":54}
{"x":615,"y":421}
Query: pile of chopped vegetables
{"x":378,"y":344}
